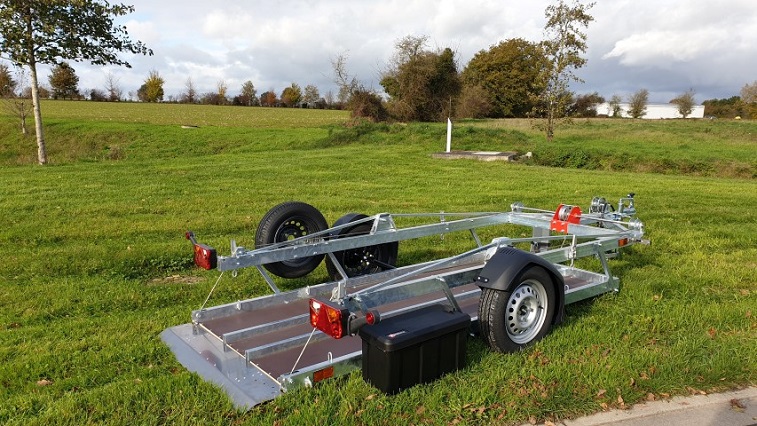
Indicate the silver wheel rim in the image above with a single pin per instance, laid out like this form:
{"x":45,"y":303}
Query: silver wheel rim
{"x":526,"y":311}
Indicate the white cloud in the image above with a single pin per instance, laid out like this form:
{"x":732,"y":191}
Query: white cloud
{"x":668,"y":45}
{"x":660,"y":48}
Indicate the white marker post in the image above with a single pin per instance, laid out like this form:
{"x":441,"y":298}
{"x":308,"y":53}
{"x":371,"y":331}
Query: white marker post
{"x":449,"y":134}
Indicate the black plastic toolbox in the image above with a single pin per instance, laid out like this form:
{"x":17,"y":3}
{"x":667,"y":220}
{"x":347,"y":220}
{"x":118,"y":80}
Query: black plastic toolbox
{"x":415,"y":347}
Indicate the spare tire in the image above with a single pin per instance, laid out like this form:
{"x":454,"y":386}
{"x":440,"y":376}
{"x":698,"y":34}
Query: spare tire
{"x":285,"y":222}
{"x":360,"y":260}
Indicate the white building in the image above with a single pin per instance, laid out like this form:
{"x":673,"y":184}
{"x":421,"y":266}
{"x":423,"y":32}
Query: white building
{"x":654,"y":111}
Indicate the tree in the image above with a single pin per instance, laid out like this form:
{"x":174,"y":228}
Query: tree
{"x":268,"y":99}
{"x":749,"y":98}
{"x":420,"y":83}
{"x":291,"y":95}
{"x":222,"y":90}
{"x":585,"y":105}
{"x":724,"y":108}
{"x":367,"y":104}
{"x":248,"y":96}
{"x":190,"y":96}
{"x":311,"y":95}
{"x":616,"y":110}
{"x":508,"y":74}
{"x":7,"y":82}
{"x":565,"y":43}
{"x":637,"y":103}
{"x":152,"y":88}
{"x":685,"y":102}
{"x":17,"y":106}
{"x":473,"y":102}
{"x":749,"y":93}
{"x":346,"y":83}
{"x":64,"y":82}
{"x":46,"y":31}
{"x":113,"y":91}
{"x":97,"y":95}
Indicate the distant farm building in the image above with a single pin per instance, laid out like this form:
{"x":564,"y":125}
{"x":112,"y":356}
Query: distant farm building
{"x":654,"y":111}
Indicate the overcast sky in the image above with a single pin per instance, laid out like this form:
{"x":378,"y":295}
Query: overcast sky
{"x":664,"y":46}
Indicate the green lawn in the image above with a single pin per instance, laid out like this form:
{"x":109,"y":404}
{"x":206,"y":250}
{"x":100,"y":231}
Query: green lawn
{"x":95,"y":265}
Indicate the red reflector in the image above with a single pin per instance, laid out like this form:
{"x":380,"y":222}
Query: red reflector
{"x":622,"y":242}
{"x":370,"y":318}
{"x":329,"y":318}
{"x":324,"y":374}
{"x":205,"y":256}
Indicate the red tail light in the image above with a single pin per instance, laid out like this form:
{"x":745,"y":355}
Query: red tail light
{"x":204,"y":256}
{"x":329,"y":318}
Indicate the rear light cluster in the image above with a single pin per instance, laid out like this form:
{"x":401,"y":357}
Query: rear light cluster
{"x":337,"y":321}
{"x":328,"y":318}
{"x":204,"y":256}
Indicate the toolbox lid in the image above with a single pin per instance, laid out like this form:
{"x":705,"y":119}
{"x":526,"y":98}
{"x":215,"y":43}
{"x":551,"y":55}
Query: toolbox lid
{"x":414,"y":327}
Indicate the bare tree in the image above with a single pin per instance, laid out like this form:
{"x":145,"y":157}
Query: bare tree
{"x":749,"y":98}
{"x":190,"y":96}
{"x":637,"y":107}
{"x":347,"y":84}
{"x":112,"y":88}
{"x":749,"y":93}
{"x":15,"y":104}
{"x":311,"y":95}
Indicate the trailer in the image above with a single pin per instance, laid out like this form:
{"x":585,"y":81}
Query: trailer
{"x":511,"y":290}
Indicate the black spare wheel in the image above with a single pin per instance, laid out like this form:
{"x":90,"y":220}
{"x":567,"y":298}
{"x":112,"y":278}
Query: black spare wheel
{"x":285,"y":222}
{"x":360,"y":260}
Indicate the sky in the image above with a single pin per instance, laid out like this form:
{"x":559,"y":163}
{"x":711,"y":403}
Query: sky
{"x":664,"y":46}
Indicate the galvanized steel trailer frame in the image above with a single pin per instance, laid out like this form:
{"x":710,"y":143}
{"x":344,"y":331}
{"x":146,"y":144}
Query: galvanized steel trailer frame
{"x":256,"y":349}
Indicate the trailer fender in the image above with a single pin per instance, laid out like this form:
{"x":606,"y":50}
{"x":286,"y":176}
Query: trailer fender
{"x":505,"y":268}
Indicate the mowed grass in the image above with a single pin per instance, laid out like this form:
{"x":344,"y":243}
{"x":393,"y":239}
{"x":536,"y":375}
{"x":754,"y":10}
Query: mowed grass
{"x":95,"y":265}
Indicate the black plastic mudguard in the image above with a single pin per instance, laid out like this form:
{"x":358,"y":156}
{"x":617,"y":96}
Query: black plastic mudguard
{"x":505,"y":267}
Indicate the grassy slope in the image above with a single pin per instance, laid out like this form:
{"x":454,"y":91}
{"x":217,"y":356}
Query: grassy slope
{"x":95,"y":267}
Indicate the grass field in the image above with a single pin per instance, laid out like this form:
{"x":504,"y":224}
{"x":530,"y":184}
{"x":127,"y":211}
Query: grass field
{"x":95,"y":265}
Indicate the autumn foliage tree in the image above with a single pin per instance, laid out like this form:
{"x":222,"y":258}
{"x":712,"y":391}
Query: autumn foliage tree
{"x":50,"y":31}
{"x":152,"y":88}
{"x":291,"y":95}
{"x":268,"y":98}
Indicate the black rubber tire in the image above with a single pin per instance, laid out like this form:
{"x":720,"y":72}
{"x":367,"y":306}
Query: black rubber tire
{"x":510,"y":321}
{"x":361,"y":260}
{"x":287,"y":221}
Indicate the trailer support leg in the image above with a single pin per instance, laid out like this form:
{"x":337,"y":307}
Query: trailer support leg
{"x":612,"y":282}
{"x":268,"y":279}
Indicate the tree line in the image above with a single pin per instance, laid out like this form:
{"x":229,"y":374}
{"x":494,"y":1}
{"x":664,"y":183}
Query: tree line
{"x":513,"y":78}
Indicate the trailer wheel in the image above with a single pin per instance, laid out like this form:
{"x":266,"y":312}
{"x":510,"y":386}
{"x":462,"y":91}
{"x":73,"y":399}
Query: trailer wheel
{"x":285,"y":222}
{"x":511,"y":320}
{"x":360,"y":260}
